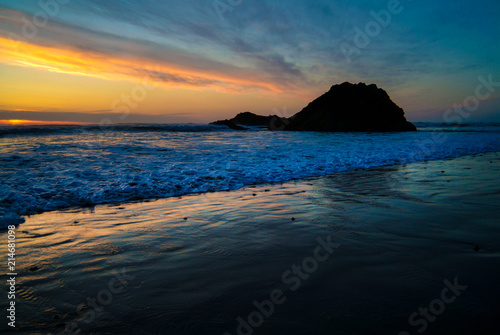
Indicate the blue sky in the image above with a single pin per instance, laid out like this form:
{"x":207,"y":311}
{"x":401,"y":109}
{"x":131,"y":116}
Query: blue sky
{"x":257,"y":55}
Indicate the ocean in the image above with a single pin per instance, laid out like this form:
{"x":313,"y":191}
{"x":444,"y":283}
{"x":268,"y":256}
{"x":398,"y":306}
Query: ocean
{"x":46,"y":168}
{"x":197,"y":229}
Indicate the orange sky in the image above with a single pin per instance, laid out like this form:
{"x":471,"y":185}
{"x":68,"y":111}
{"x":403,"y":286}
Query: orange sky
{"x":35,"y":122}
{"x":76,"y":75}
{"x":180,"y":63}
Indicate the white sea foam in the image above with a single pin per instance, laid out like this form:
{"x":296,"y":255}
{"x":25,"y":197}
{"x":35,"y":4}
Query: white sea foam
{"x":51,"y":168}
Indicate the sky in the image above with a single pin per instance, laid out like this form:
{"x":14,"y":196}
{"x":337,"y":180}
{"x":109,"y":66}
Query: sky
{"x":176,"y":61}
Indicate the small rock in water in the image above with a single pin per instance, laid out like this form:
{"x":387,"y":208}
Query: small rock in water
{"x":185,"y":218}
{"x":34,"y":268}
{"x":442,"y":171}
{"x":267,"y":190}
{"x":293,"y":219}
{"x":75,"y":221}
{"x":254,"y":194}
{"x":476,"y":248}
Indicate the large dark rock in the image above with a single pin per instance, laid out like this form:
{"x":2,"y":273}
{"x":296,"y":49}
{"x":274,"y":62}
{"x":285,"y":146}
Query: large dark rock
{"x":246,"y":119}
{"x":351,"y":107}
{"x":251,"y":119}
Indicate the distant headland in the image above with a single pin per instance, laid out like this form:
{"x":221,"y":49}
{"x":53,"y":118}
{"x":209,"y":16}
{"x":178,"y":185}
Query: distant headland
{"x":346,"y":107}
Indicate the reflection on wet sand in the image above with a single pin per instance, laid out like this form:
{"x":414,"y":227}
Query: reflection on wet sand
{"x":194,"y":264}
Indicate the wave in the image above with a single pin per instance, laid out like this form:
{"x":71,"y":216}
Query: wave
{"x":464,"y":127}
{"x":78,"y":169}
{"x":39,"y":130}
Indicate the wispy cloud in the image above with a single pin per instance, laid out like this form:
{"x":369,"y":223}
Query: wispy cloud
{"x":66,"y":49}
{"x":270,"y":47}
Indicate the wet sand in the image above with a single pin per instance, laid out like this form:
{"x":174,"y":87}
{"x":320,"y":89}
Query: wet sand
{"x":201,"y":264}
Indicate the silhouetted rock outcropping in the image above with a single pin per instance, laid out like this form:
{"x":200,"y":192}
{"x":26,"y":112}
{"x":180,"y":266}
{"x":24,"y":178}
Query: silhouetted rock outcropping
{"x":251,"y":119}
{"x":246,"y":119}
{"x":346,"y":107}
{"x":351,"y":107}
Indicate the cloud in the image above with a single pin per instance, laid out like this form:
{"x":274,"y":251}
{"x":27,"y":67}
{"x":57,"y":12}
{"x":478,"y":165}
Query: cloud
{"x":66,"y":49}
{"x":271,"y":47}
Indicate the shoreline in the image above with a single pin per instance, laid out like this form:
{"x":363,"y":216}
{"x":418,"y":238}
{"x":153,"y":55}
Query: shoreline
{"x":295,"y":180}
{"x":117,"y":167}
{"x":195,"y":264}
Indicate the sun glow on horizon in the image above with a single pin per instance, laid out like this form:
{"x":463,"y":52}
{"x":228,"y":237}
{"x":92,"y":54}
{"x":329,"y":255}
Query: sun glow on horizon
{"x":16,"y":122}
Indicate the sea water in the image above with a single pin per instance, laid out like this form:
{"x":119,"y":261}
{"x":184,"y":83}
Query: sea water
{"x":44,"y":168}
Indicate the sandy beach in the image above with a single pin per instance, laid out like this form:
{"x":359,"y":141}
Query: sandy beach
{"x":391,"y":250}
{"x":231,"y":167}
